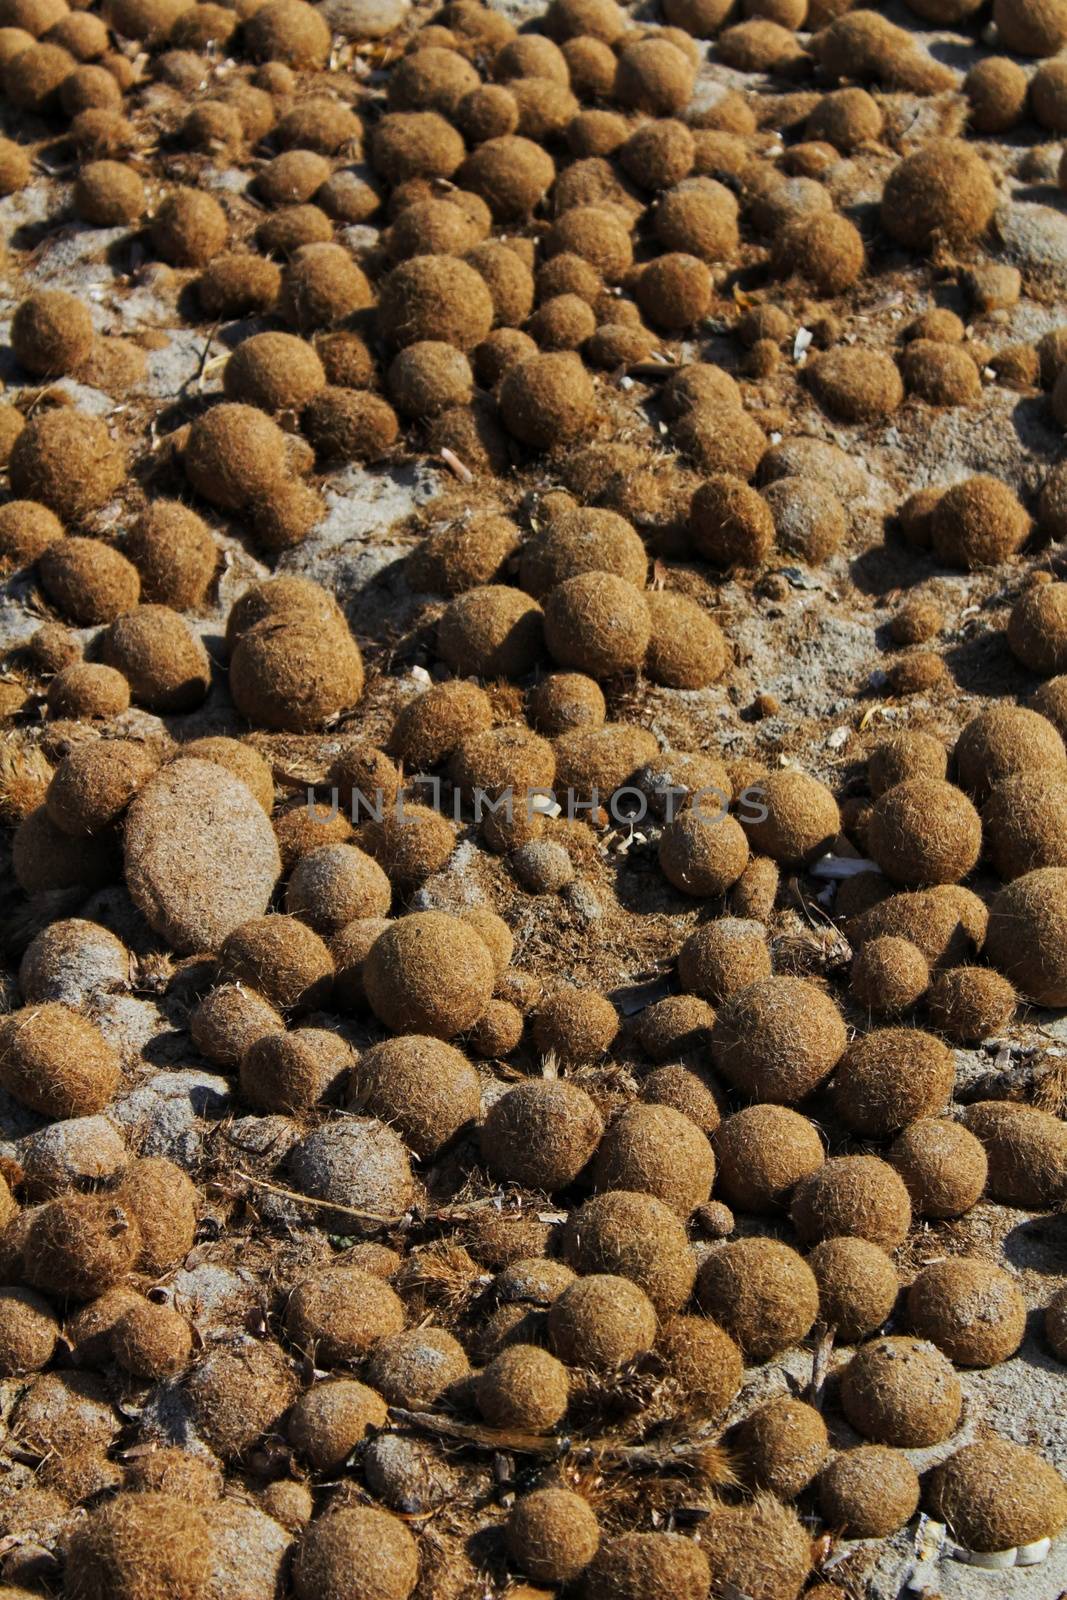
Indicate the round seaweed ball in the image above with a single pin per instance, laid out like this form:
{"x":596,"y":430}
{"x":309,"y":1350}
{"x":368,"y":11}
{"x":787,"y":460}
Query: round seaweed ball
{"x":762,"y":1153}
{"x":57,"y":1062}
{"x":321,"y":287}
{"x":161,"y":658}
{"x":889,"y":975}
{"x":969,"y":1004}
{"x":14,"y":167}
{"x":189,"y":229}
{"x":152,"y":1341}
{"x":510,"y":173}
{"x":781,"y":1446}
{"x":290,"y":1072}
{"x":902,"y":1392}
{"x":94,"y":783}
{"x":1037,"y":629}
{"x":1003,"y":742}
{"x":1026,"y":1149}
{"x":288,"y":31}
{"x":633,"y":1236}
{"x":233,"y":454}
{"x":996,"y":89}
{"x":1031,"y":27}
{"x":51,"y":333}
{"x":601,"y":1321}
{"x":943,"y":192}
{"x":869,"y":1492}
{"x":274,"y":371}
{"x":282,"y":959}
{"x":26,"y":531}
{"x":547,"y":400}
{"x":29,"y":1330}
{"x":541,"y":1134}
{"x":1027,"y":935}
{"x":425,"y":1088}
{"x":414,"y":1368}
{"x":228,"y":1020}
{"x":237,"y":284}
{"x":703,"y":854}
{"x":978,"y":523}
{"x":943,"y":1165}
{"x":802,"y":819}
{"x":174,"y":554}
{"x":597,"y":623}
{"x":996,"y":1495}
{"x":552,"y":1535}
{"x":676,"y":1026}
{"x":858,"y":1195}
{"x":576,"y":1025}
{"x":355,"y":1552}
{"x":656,"y":1150}
{"x":68,"y":461}
{"x":970,"y":1309}
{"x":415,"y":144}
{"x":434,"y":723}
{"x":856,"y":384}
{"x":88,"y":581}
{"x":778,"y":1039}
{"x":763,"y":1293}
{"x":86,"y":690}
{"x":722,"y":957}
{"x":435,"y":298}
{"x":81,"y":1244}
{"x":429,"y":973}
{"x":294,"y":675}
{"x":491,"y":631}
{"x":138,"y":1544}
{"x":890,"y":1077}
{"x":704,"y":1363}
{"x":336,"y":884}
{"x":687,"y":649}
{"x":858,"y":1286}
{"x":524,"y":1388}
{"x":904,"y":756}
{"x":340,"y":1313}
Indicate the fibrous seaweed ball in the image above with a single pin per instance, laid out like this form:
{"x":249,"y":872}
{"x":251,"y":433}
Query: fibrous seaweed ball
{"x":523,"y":1388}
{"x":282,"y":959}
{"x":350,"y":425}
{"x":14,"y":167}
{"x":321,"y":287}
{"x":904,"y":756}
{"x":801,"y":821}
{"x":687,"y":648}
{"x":415,"y":144}
{"x":436,"y":298}
{"x":552,"y":1535}
{"x":1026,"y":1149}
{"x":597,"y":623}
{"x":1050,"y":700}
{"x":978,"y":523}
{"x":288,"y":596}
{"x":901,"y":1392}
{"x":340,"y":1313}
{"x":174,"y":553}
{"x":429,"y":973}
{"x":288,"y":31}
{"x":94,"y":783}
{"x":653,"y":1149}
{"x":356,"y":1553}
{"x":601,"y":1321}
{"x":490,"y":632}
{"x":845,"y":118}
{"x":428,"y":377}
{"x":336,"y":884}
{"x":541,"y":1134}
{"x":889,"y":976}
{"x":291,"y":179}
{"x":889,"y":1077}
{"x":355,"y":1162}
{"x":431,"y":725}
{"x":581,"y":542}
{"x":970,"y":1004}
{"x":1037,"y":629}
{"x":674,"y":1027}
{"x":674,"y":291}
{"x":577,"y":1025}
{"x":1027,"y":935}
{"x":26,"y":531}
{"x":858,"y":1195}
{"x":294,"y":676}
{"x":189,"y":228}
{"x":763,"y":1293}
{"x":996,"y":90}
{"x":762,"y":1152}
{"x":809,"y":519}
{"x":414,"y":1368}
{"x":161,"y":658}
{"x":654,"y":76}
{"x":510,"y":174}
{"x":51,"y":333}
{"x":547,"y":400}
{"x":858,"y":1286}
{"x":410,"y":845}
{"x":698,"y":219}
{"x":56,"y":1062}
{"x":970,"y":1309}
{"x":108,"y":194}
{"x":856,"y":384}
{"x":1005,"y":741}
{"x":1031,"y":27}
{"x":331,"y":1420}
{"x":943,"y":1165}
{"x":28,"y":1332}
{"x":234,"y":453}
{"x":944,"y":192}
{"x":81,"y":1244}
{"x":88,"y":581}
{"x":633,"y":1236}
{"x":825,"y":249}
{"x":152,"y":1341}
{"x":425,"y":1088}
{"x":778,"y":1039}
{"x":722,"y":957}
{"x":33,"y":77}
{"x":137,"y":1545}
{"x":509,"y":281}
{"x":228,"y":1020}
{"x":238,"y":284}
{"x":781,"y":1447}
{"x":68,"y":461}
{"x":1024,"y":821}
{"x":290,"y":1072}
{"x":996,"y":1495}
{"x":274,"y":371}
{"x":703,"y":852}
{"x":86,"y":690}
{"x":869,"y":1492}
{"x":239,"y":759}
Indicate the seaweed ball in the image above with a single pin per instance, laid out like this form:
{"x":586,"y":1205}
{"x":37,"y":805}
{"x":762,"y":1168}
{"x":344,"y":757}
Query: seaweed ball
{"x":541,"y":1134}
{"x":647,"y":1566}
{"x":654,"y":1149}
{"x":189,"y":228}
{"x":511,"y":174}
{"x":415,"y":144}
{"x":563,"y":322}
{"x":858,"y":1195}
{"x":135,"y":1544}
{"x":320,"y":124}
{"x":545,"y":108}
{"x":889,"y":1077}
{"x":591,"y":64}
{"x":14,"y":167}
{"x":346,"y":360}
{"x":1037,"y":629}
{"x":350,"y":424}
{"x":856,"y":384}
{"x":509,"y":281}
{"x":89,"y":87}
{"x":290,"y":179}
{"x":357,"y":1551}
{"x":486,"y":111}
{"x":95,"y":782}
{"x":924,"y":831}
{"x":674,"y":291}
{"x":411,"y":846}
{"x":601,"y":1321}
{"x":274,"y":371}
{"x":1050,"y":700}
{"x":431,"y":725}
{"x":1026,"y":1149}
{"x":655,"y":77}
{"x":56,"y":1062}
{"x":1025,"y":939}
{"x":414,"y":1368}
{"x":81,"y":1244}
{"x":68,"y":461}
{"x":585,"y":540}
{"x":778,"y":1039}
{"x":152,"y":1341}
{"x":229,"y":1019}
{"x":845,"y":118}
{"x":548,"y":400}
{"x":901,"y":1391}
{"x":1004,"y":742}
{"x":729,"y":523}
{"x":594,"y":234}
{"x":435,"y":298}
{"x":970,"y":1309}
{"x":703,"y":1361}
{"x":336,"y":884}
{"x":802,"y":819}
{"x":429,"y":973}
{"x":762,"y":1152}
{"x":29,"y":1330}
{"x":88,"y":581}
{"x":425,"y":1088}
{"x":87,"y":691}
{"x":1031,"y":27}
{"x":53,"y":647}
{"x":996,"y":1495}
{"x":288,"y":31}
{"x":781,"y":1447}
{"x":858,"y":1286}
{"x":491,"y":631}
{"x":288,"y":597}
{"x":281,"y":959}
{"x":869,"y":1492}
{"x":340,"y":1313}
{"x":523,"y":1388}
{"x":51,"y":333}
{"x":294,"y":676}
{"x":943,"y":192}
{"x":763,"y":1293}
{"x":1024,"y":821}
{"x":889,"y":975}
{"x":163,"y":661}
{"x":321,"y":287}
{"x":684,"y":1091}
{"x":331,"y":1420}
{"x":703,"y":853}
{"x":941,"y":374}
{"x":687,"y":649}
{"x":594,"y":19}
{"x":597,"y":623}
{"x":234,"y":452}
{"x":108,"y":194}
{"x":943,"y":1165}
{"x":566,"y":700}
{"x":237,"y":284}
{"x":809,"y":519}
{"x":32,"y":79}
{"x":435,"y":227}
{"x":969,"y":1004}
{"x":577,"y":1025}
{"x":903,"y":757}
{"x":174,"y":553}
{"x":658,"y":154}
{"x":429,"y":376}
{"x":995,"y":89}
{"x":552,"y":1535}
{"x":826,"y":250}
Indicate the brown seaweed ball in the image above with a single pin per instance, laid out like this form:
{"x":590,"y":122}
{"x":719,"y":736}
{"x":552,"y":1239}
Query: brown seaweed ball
{"x":213,"y":126}
{"x":809,"y":519}
{"x":970,"y":1309}
{"x":594,"y":234}
{"x":331,"y":1420}
{"x":582,"y":541}
{"x":321,"y":287}
{"x":1003,"y":742}
{"x":14,"y":167}
{"x":57,"y":1062}
{"x":436,"y":227}
{"x":903,"y":757}
{"x":88,"y":581}
{"x":761,"y":1547}
{"x":282,"y":959}
{"x":687,"y":1092}
{"x":674,"y":291}
{"x":729,"y":523}
{"x":562,"y":322}
{"x":655,"y":77}
{"x":924,"y":832}
{"x":291,"y":675}
{"x":356,"y":1553}
{"x":435,"y":298}
{"x":778,"y":1039}
{"x":762,"y":1153}
{"x":552,"y":1535}
{"x":868,"y":1492}
{"x":1037,"y":629}
{"x":597,"y":623}
{"x":658,"y":154}
{"x":423,"y":1087}
{"x":1050,"y":700}
{"x":288,"y":31}
{"x":318,"y":124}
{"x":547,"y":400}
{"x":703,"y":852}
{"x":902,"y":1392}
{"x":647,"y":1566}
{"x":290,"y":179}
{"x":541,"y":1134}
{"x":32,"y":79}
{"x":26,"y":531}
{"x":995,"y":89}
{"x":889,"y":1077}
{"x":1025,"y":939}
{"x":802,"y":819}
{"x":415,"y":1367}
{"x":943,"y":192}
{"x":1026,"y":1149}
{"x":941,"y":374}
{"x":969,"y":1004}
{"x":291,"y":1072}
{"x":858,"y":1286}
{"x":509,"y":281}
{"x":523,"y":1388}
{"x":94,"y":783}
{"x":781,"y":1447}
{"x":81,"y":1244}
{"x":943,"y":1165}
{"x":856,"y":384}
{"x":240,"y":1393}
{"x":486,"y":111}
{"x":415,"y":144}
{"x":335,"y":885}
{"x":633,"y":1236}
{"x":703,"y":1361}
{"x":51,"y":333}
{"x":428,"y":377}
{"x":340,"y":1313}
{"x":491,"y":631}
{"x":53,"y":646}
{"x":152,"y":1341}
{"x":845,"y":118}
{"x":238,"y":284}
{"x":274,"y":371}
{"x":722,"y":957}
{"x":577,"y":1025}
{"x":566,"y":700}
{"x":88,"y":691}
{"x":29,"y":1330}
{"x":826,"y":250}
{"x":410,"y":846}
{"x":140,"y":1544}
{"x":234,"y":452}
{"x":108,"y":194}
{"x":996,"y":1495}
{"x":858,"y":1195}
{"x":687,"y":648}
{"x":654,"y":1149}
{"x":510,"y":173}
{"x":676,"y":1026}
{"x":68,"y":461}
{"x":429,"y":973}
{"x":763,"y":1293}
{"x":161,"y":658}
{"x":1031,"y":27}
{"x":347,"y":361}
{"x":228,"y":1020}
{"x":350,"y":425}
{"x":601,"y":1321}
{"x":889,"y":975}
{"x":174,"y":554}
{"x":430,"y":726}
{"x":1024,"y":821}
{"x":189,"y":228}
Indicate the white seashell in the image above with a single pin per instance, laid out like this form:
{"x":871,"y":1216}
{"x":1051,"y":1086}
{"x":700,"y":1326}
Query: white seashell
{"x":1032,"y":1555}
{"x":990,"y":1560}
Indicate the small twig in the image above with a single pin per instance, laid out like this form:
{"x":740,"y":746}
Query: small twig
{"x":325,"y":1205}
{"x":820,"y":1368}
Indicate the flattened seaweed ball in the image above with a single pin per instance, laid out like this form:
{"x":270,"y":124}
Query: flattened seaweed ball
{"x":802,"y":819}
{"x":138,"y":1544}
{"x":577,"y":1025}
{"x":438,"y":298}
{"x":869,"y":1492}
{"x":274,"y":371}
{"x":970,"y":1309}
{"x":429,"y":973}
{"x":856,"y":384}
{"x":1027,"y":935}
{"x":1031,"y":27}
{"x":81,"y":1244}
{"x":491,"y":632}
{"x":350,"y":425}
{"x":995,"y":1495}
{"x":601,"y":1321}
{"x":902,"y":1392}
{"x":825,"y":249}
{"x":763,"y":1293}
{"x":762,"y":1152}
{"x":288,"y":31}
{"x":547,"y":400}
{"x":674,"y":291}
{"x":633,"y":1236}
{"x":88,"y":581}
{"x":189,"y":229}
{"x":729,"y":523}
{"x":943,"y":1165}
{"x":1026,"y":1149}
{"x":425,"y":1088}
{"x":1037,"y":629}
{"x":654,"y":1149}
{"x":782,"y":1446}
{"x":858,"y":1195}
{"x":541,"y":1134}
{"x":524,"y":1388}
{"x":68,"y":461}
{"x":552,"y":1535}
{"x":56,"y":1062}
{"x":858,"y":1286}
{"x":415,"y":144}
{"x":923,"y":832}
{"x":51,"y":333}
{"x":778,"y":1039}
{"x":511,"y":174}
{"x":162,"y":659}
{"x":415,"y":1367}
{"x":234,"y":452}
{"x":889,"y":1077}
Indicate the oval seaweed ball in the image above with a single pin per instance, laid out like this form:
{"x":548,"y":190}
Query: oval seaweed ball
{"x":943,"y":1165}
{"x":428,"y":377}
{"x":57,"y":1062}
{"x":491,"y":632}
{"x":94,"y":783}
{"x":234,"y":453}
{"x":723,"y":956}
{"x":424,"y":1087}
{"x":676,"y":1026}
{"x":978,"y":523}
{"x":430,"y":726}
{"x":701,"y":854}
{"x":762,"y":1152}
{"x":523,"y":1388}
{"x":274,"y":371}
{"x":88,"y":691}
{"x":597,"y":623}
{"x":580,"y":542}
{"x":687,"y":649}
{"x":781,"y":1446}
{"x":510,"y":173}
{"x":969,"y":1004}
{"x":26,"y":531}
{"x":801,"y":822}
{"x":996,"y":1495}
{"x":293,"y":676}
{"x":541,"y":1134}
{"x":1031,"y":27}
{"x":547,"y":400}
{"x":858,"y":1286}
{"x":356,"y":1540}
{"x":1026,"y":1149}
{"x":429,"y":973}
{"x":778,"y":1039}
{"x":858,"y":1195}
{"x":904,"y":756}
{"x":888,"y":976}
{"x":654,"y":1149}
{"x":825,"y":249}
{"x":856,"y":384}
{"x":943,"y":192}
{"x":88,"y":581}
{"x":1037,"y":629}
{"x":189,"y":229}
{"x":763,"y":1293}
{"x":601,"y":1321}
{"x":334,"y":885}
{"x":633,"y":1236}
{"x":135,"y":1544}
{"x":868,"y":1492}
{"x":577,"y":1025}
{"x":1027,"y":935}
{"x":173,"y":551}
{"x":995,"y":89}
{"x":288,"y":31}
{"x":970,"y":1309}
{"x":902,"y":1392}
{"x":51,"y":333}
{"x":552,"y":1535}
{"x":438,"y":298}
{"x":1004,"y":741}
{"x":81,"y":1244}
{"x":161,"y":658}
{"x":68,"y":461}
{"x":890,"y":1077}
{"x":281,"y":959}
{"x":674,"y":291}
